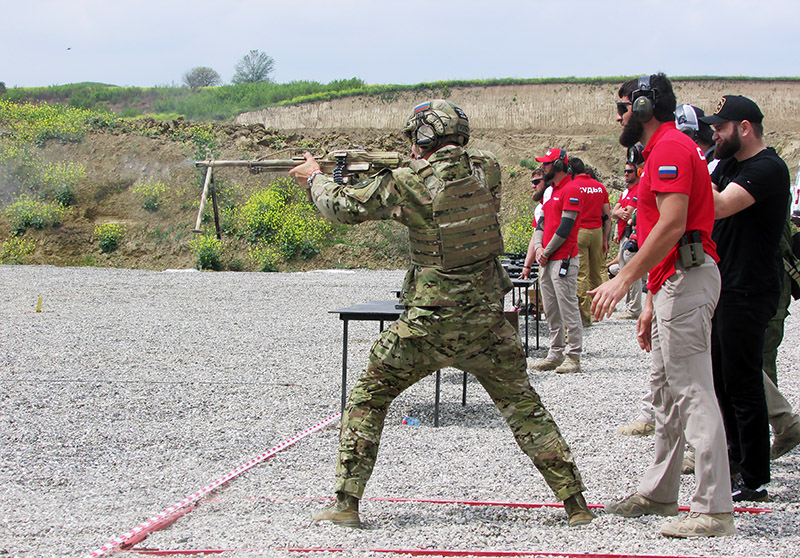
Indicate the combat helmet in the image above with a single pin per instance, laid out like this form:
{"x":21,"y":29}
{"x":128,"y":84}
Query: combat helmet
{"x":435,"y":122}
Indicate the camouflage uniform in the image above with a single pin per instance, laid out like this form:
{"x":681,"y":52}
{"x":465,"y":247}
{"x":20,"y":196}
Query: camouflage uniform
{"x":453,"y":317}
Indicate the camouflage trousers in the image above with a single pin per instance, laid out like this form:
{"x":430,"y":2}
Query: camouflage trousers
{"x":474,"y":339}
{"x":774,"y":332}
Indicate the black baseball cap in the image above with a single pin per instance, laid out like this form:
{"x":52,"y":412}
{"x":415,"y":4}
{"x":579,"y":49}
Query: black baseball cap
{"x":734,"y":107}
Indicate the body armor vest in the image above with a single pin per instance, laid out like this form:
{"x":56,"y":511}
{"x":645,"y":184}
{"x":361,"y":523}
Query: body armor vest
{"x":465,"y":228}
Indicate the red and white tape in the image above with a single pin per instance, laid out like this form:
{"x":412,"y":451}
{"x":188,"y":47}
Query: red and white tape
{"x":170,"y":514}
{"x":414,"y":552}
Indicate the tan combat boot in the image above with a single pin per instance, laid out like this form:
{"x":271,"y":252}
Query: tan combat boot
{"x":571,"y":365}
{"x":577,"y":510}
{"x":700,"y":525}
{"x":637,"y":428}
{"x":637,"y":505}
{"x":545,"y":364}
{"x":344,"y":512}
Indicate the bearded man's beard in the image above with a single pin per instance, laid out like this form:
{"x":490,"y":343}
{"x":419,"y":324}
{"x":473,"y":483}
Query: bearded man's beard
{"x":631,"y":133}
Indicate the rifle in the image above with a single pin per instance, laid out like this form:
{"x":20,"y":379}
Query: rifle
{"x":347,"y":165}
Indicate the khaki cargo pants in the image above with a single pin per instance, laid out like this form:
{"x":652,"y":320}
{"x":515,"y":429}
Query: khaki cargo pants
{"x":684,"y":401}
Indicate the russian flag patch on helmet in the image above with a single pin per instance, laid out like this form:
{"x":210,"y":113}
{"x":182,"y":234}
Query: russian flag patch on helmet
{"x":667,"y":172}
{"x":423,"y":106}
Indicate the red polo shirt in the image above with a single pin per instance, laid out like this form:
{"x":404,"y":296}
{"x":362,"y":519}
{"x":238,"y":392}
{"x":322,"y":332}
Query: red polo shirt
{"x":674,"y":163}
{"x":593,"y":195}
{"x":566,"y":197}
{"x":629,"y":199}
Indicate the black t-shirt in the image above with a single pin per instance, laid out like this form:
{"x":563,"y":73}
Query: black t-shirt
{"x":748,"y":241}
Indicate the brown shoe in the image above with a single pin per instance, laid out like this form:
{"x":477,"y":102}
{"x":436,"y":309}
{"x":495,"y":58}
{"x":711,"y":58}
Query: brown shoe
{"x":343,"y":512}
{"x":577,"y":510}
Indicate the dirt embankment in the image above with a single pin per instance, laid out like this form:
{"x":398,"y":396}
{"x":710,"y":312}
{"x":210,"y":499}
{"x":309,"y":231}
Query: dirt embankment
{"x":515,"y":122}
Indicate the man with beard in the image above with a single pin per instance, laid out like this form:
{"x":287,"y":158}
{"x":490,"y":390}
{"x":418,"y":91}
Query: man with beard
{"x":675,"y":217}
{"x":555,"y":244}
{"x":751,"y":201}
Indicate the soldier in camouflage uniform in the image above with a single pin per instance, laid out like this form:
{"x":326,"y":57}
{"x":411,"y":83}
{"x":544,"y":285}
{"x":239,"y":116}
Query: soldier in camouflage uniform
{"x":448,"y":197}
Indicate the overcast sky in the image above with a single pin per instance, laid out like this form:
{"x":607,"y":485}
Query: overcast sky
{"x":155,"y":42}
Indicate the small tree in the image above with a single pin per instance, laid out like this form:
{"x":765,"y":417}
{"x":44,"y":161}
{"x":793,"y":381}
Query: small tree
{"x":201,"y":77}
{"x":2,"y":87}
{"x":253,"y":67}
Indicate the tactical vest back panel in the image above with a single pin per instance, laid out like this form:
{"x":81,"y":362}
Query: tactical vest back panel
{"x":466,"y":230}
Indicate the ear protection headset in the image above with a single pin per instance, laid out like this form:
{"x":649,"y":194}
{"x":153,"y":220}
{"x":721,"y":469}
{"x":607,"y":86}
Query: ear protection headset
{"x":635,"y":154}
{"x":643,"y":100}
{"x":425,"y":135}
{"x":562,"y":163}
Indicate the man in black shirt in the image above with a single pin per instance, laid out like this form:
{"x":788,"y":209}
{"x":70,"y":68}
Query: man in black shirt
{"x":751,"y":202}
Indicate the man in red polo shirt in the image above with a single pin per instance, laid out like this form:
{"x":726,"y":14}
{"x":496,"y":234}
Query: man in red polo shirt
{"x":556,"y":251}
{"x":592,"y":236}
{"x":675,"y":217}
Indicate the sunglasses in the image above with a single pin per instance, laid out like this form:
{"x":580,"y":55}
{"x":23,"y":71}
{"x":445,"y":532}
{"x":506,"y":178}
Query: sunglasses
{"x":536,"y":181}
{"x":629,"y":171}
{"x":622,"y":107}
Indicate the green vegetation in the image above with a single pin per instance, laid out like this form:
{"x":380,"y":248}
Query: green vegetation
{"x":27,"y":212}
{"x":517,"y":232}
{"x":15,"y":250}
{"x":227,"y":101}
{"x":150,"y":193}
{"x":279,"y":217}
{"x":109,"y":236}
{"x":208,"y":250}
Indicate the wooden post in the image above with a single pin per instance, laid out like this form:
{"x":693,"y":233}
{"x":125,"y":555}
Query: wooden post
{"x":197,"y":228}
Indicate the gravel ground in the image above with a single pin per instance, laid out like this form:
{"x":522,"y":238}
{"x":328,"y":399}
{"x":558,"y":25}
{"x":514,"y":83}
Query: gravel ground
{"x":133,"y":389}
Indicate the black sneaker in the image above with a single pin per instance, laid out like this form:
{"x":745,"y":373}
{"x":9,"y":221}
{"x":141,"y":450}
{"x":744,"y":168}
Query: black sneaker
{"x":741,"y":493}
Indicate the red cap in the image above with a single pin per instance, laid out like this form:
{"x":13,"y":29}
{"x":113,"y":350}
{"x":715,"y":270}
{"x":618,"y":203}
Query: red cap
{"x":553,"y":154}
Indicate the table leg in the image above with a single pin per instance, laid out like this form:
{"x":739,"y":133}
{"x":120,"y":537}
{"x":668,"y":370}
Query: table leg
{"x":344,"y":366}
{"x":538,"y":312}
{"x":436,"y":400}
{"x":527,"y":350}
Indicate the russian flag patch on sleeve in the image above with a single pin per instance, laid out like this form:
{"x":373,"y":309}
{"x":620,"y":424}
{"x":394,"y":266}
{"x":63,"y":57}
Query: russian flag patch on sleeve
{"x":573,"y":201}
{"x":667,"y":172}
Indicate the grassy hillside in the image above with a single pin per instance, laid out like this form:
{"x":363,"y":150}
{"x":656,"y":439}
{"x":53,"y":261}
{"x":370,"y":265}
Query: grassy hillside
{"x":227,"y":101}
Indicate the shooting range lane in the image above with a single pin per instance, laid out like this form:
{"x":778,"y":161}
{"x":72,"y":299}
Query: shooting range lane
{"x":132,"y":388}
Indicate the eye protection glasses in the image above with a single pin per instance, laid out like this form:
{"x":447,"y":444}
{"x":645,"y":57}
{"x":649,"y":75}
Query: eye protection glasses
{"x":536,"y":181}
{"x":622,"y":107}
{"x":630,"y":171}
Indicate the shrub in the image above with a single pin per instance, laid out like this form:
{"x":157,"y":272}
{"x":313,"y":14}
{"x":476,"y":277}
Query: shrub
{"x":517,"y":233}
{"x":15,"y":249}
{"x":27,"y":212}
{"x":60,"y":179}
{"x":265,"y":256}
{"x":109,"y":236}
{"x":280,"y":216}
{"x":151,"y":193}
{"x":208,"y":252}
